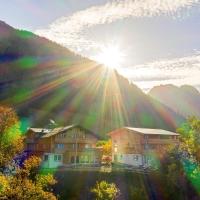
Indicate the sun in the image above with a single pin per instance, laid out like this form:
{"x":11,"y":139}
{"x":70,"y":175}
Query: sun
{"x":110,"y":56}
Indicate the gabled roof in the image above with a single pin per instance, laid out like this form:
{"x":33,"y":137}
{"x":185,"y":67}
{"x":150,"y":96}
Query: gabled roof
{"x":40,"y":130}
{"x":55,"y":131}
{"x":148,"y":131}
{"x":46,"y":133}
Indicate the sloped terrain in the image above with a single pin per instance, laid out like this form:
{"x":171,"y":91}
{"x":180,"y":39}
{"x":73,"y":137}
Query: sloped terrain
{"x":43,"y":81}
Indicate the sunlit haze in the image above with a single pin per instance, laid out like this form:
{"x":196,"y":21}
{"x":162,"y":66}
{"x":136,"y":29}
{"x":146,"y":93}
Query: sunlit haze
{"x":160,"y":39}
{"x":110,"y":56}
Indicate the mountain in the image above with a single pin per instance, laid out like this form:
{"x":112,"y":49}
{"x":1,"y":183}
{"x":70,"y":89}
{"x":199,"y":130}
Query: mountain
{"x":43,"y":80}
{"x":184,"y":100}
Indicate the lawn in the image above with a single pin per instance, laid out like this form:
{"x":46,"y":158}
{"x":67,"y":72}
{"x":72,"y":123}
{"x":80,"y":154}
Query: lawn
{"x":74,"y":185}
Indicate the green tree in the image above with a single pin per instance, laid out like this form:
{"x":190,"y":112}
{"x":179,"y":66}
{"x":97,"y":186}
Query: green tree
{"x":11,"y":141}
{"x":103,"y":190}
{"x":190,"y":137}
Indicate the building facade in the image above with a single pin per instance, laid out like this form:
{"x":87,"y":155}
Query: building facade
{"x":140,"y":146}
{"x":72,"y":145}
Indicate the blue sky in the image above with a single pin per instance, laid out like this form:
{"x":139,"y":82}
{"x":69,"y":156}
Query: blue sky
{"x":34,"y":14}
{"x":161,"y":44}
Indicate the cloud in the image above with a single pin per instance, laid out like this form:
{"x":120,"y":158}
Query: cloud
{"x":177,"y":71}
{"x":70,"y":31}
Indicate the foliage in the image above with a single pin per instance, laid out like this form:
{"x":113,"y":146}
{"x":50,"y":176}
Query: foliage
{"x":106,"y":146}
{"x":11,"y":141}
{"x":27,"y":184}
{"x":100,"y":143}
{"x":104,"y":190}
{"x":180,"y":166}
{"x":190,"y":138}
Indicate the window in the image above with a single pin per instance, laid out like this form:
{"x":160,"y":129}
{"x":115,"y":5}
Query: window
{"x":87,"y":146}
{"x":60,"y":146}
{"x":57,"y":158}
{"x":165,"y":137}
{"x":146,"y":146}
{"x":46,"y":157}
{"x":72,"y":159}
{"x":135,"y":157}
{"x":152,"y":146}
{"x":145,"y":136}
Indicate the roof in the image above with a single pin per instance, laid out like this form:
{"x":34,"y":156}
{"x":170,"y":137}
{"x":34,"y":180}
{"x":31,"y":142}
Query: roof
{"x":147,"y":131}
{"x":40,"y":130}
{"x":45,"y":133}
{"x":55,"y":131}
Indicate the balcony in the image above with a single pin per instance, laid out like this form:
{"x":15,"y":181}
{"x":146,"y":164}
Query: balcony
{"x":160,"y":141}
{"x":130,"y":149}
{"x":74,"y":140}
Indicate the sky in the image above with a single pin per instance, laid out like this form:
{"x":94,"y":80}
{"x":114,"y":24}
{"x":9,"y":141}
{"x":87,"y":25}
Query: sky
{"x":159,"y":39}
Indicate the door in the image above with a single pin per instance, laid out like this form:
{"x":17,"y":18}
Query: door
{"x":72,"y":159}
{"x":77,"y":159}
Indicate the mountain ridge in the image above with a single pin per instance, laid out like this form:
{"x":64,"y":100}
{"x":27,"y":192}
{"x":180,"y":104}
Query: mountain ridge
{"x":184,"y":100}
{"x":43,"y":80}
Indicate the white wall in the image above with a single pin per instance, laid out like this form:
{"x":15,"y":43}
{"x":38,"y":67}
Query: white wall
{"x":51,"y":163}
{"x":130,"y":159}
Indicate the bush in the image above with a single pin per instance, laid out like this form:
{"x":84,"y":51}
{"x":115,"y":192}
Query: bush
{"x":104,"y":190}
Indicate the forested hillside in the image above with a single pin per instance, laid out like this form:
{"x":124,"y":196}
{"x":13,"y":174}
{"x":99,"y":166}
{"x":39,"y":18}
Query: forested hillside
{"x":43,"y":81}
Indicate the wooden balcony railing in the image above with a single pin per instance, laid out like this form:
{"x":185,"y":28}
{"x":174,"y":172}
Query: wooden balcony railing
{"x":73,"y":140}
{"x":160,"y":141}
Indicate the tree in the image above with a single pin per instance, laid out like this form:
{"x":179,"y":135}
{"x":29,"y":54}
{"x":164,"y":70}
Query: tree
{"x":190,"y":138}
{"x":106,"y":147}
{"x":11,"y":141}
{"x":106,"y":150}
{"x":104,"y":190}
{"x":27,"y":184}
{"x":180,"y":168}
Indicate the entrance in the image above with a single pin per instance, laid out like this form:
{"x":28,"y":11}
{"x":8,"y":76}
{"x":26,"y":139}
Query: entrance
{"x":77,"y":159}
{"x":72,"y":159}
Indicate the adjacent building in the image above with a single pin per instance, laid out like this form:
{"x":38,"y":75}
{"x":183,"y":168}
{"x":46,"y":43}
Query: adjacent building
{"x":140,"y":146}
{"x":62,"y":146}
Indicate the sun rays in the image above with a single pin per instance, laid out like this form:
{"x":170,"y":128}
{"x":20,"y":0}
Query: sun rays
{"x":111,"y":56}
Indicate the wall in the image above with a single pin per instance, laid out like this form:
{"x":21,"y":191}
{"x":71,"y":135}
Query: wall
{"x":51,"y":163}
{"x":129,"y":159}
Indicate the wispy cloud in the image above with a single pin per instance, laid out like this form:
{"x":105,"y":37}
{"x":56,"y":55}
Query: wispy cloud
{"x":70,"y":31}
{"x":177,"y":71}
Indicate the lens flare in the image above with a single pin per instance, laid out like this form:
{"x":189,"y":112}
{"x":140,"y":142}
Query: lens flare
{"x":111,"y":56}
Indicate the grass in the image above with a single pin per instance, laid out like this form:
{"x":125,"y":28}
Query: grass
{"x":74,"y":185}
